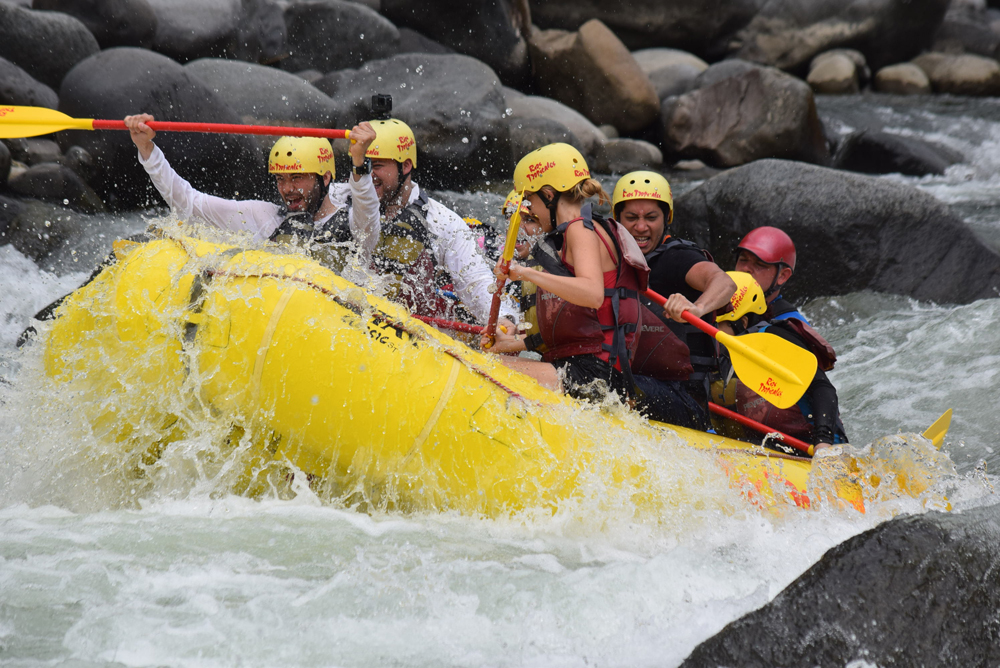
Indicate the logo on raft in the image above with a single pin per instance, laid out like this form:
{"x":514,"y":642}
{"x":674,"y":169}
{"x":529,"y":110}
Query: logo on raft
{"x":283,"y":167}
{"x":325,"y":154}
{"x":640,"y":194}
{"x":6,"y":110}
{"x":769,"y":387}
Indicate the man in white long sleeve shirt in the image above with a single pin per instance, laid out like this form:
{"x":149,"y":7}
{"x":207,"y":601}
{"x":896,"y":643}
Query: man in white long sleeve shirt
{"x":426,"y":225}
{"x":303,"y":169}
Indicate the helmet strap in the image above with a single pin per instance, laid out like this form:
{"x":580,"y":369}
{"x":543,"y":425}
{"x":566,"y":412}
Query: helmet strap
{"x":401,"y":180}
{"x":551,"y":205}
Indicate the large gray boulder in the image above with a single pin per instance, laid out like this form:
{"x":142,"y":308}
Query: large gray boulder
{"x":484,"y":29}
{"x":591,"y":71}
{"x":915,"y":591}
{"x":55,"y":183}
{"x":671,"y":71}
{"x":852,"y":232}
{"x":454,"y":104}
{"x":876,"y":152}
{"x":112,"y":22}
{"x":190,"y":29}
{"x":703,"y":28}
{"x":335,"y":35}
{"x":19,"y":87}
{"x":760,"y":113}
{"x":122,"y":81}
{"x":521,"y":108}
{"x":263,"y":95}
{"x":788,"y":33}
{"x":46,"y":45}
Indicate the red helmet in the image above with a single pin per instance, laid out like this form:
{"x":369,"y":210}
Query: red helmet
{"x":771,"y":245}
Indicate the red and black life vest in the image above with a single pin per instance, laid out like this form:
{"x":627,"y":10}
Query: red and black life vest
{"x":609,"y":332}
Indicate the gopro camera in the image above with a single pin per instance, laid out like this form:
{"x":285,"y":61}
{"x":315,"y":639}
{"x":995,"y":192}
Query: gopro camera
{"x":381,"y":106}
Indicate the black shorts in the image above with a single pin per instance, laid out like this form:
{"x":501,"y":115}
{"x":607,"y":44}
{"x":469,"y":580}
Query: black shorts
{"x":589,"y":378}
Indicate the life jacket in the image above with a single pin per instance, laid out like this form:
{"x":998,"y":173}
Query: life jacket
{"x":405,"y":255}
{"x":782,"y":309}
{"x":609,"y":332}
{"x":790,"y":420}
{"x":327,"y":242}
{"x":688,"y":335}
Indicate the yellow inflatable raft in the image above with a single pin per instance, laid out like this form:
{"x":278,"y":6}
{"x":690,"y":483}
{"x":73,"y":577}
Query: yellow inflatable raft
{"x":313,"y":373}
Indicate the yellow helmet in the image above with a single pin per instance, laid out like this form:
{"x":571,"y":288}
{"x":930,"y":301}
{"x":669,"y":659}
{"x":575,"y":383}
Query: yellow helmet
{"x":748,"y":298}
{"x":513,"y":202}
{"x":394,"y":140}
{"x":643,"y":185}
{"x":290,"y":155}
{"x":558,"y":165}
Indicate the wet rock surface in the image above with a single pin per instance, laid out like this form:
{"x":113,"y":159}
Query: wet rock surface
{"x":454,"y":104}
{"x":874,"y":152}
{"x":336,"y":35}
{"x":112,"y":22}
{"x":914,"y":591}
{"x":852,"y":232}
{"x":759,"y":113}
{"x":124,"y":80}
{"x":19,"y":87}
{"x":46,"y":45}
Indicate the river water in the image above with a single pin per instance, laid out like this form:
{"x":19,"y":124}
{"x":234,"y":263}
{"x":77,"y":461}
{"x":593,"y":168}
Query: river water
{"x":188,"y":575}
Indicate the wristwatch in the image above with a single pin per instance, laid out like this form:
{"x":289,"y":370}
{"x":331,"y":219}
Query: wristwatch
{"x":364,"y":168}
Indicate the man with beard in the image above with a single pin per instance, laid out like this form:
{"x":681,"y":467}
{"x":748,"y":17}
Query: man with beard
{"x":425,"y":251}
{"x":303,"y":169}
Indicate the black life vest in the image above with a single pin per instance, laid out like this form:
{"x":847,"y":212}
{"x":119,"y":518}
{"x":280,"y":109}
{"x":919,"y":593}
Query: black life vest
{"x":328,"y":242}
{"x":688,"y":335}
{"x":405,"y":254}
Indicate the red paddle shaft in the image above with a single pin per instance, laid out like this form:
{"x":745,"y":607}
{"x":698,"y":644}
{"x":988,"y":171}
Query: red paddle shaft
{"x":491,"y":324}
{"x":762,"y":428}
{"x":697,"y":322}
{"x":451,"y":324}
{"x":229,"y":128}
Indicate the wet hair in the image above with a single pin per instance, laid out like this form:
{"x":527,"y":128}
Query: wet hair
{"x":579,"y":192}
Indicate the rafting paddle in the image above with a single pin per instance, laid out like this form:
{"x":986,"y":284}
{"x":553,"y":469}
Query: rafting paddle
{"x":33,"y":121}
{"x":937,"y":431}
{"x":505,"y":258}
{"x":753,"y":357}
{"x":802,"y":446}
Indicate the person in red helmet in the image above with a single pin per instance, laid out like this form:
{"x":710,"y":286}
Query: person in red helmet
{"x":768,"y":254}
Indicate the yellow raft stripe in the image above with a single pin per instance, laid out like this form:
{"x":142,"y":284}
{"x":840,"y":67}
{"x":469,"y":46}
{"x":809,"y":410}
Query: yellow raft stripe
{"x":265,"y":341}
{"x":435,"y":415}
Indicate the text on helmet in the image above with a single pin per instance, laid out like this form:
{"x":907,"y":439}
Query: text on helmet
{"x":325,"y":154}
{"x":641,"y":194}
{"x":287,"y":167}
{"x":738,"y":296}
{"x":537,"y":169}
{"x":405,"y":143}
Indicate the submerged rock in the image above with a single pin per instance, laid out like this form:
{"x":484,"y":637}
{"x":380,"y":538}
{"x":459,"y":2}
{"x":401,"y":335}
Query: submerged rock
{"x":914,"y":591}
{"x":852,"y":232}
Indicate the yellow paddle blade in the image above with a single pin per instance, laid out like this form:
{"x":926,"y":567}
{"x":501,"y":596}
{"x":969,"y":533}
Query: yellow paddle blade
{"x":513,"y":229}
{"x":937,"y":431}
{"x":33,"y":121}
{"x":774,"y":368}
